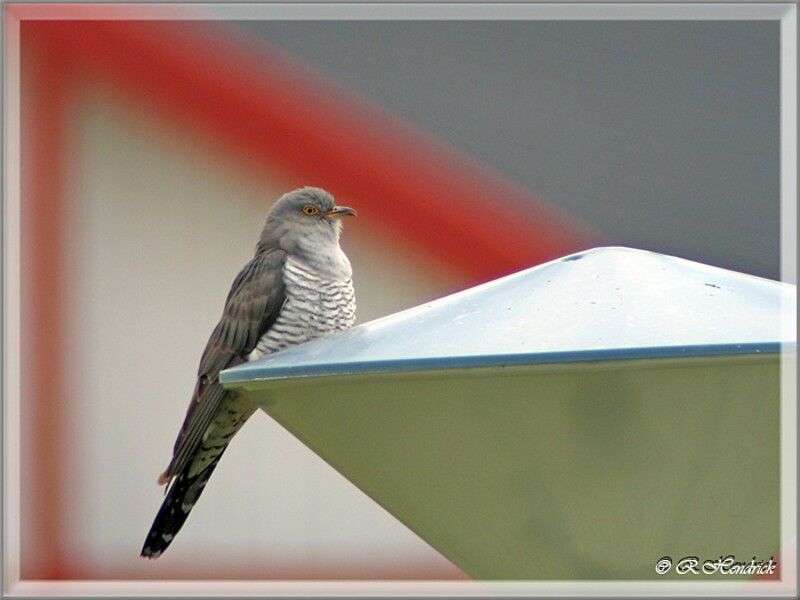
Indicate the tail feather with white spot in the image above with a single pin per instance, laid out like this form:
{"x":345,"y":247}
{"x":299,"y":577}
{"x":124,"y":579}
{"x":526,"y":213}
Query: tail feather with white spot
{"x":181,"y":498}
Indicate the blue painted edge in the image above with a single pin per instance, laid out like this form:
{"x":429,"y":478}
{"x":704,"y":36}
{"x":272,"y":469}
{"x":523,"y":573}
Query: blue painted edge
{"x":248,"y":373}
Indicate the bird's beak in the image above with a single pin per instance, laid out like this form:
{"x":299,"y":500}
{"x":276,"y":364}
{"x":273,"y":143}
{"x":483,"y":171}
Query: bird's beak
{"x":341,"y":211}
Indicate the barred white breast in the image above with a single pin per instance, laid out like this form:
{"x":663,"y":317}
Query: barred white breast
{"x":317,"y":303}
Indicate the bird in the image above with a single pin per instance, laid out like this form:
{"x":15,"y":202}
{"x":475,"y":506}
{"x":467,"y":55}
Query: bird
{"x":298,"y":286}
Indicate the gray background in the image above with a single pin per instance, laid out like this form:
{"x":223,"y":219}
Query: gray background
{"x":663,"y":135}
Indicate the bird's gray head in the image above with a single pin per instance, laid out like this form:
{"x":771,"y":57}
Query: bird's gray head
{"x":304,"y":220}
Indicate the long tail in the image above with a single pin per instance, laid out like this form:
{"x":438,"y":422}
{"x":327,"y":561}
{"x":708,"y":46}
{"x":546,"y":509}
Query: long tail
{"x":181,"y":498}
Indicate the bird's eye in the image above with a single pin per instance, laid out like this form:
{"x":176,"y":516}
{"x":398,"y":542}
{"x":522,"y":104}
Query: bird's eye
{"x":310,"y":210}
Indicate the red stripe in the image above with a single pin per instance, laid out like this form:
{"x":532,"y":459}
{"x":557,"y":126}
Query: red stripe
{"x":42,"y":402}
{"x":404,"y":183}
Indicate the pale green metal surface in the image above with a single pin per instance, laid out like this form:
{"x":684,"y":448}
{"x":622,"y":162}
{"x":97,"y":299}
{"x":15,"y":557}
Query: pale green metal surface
{"x":551,"y":471}
{"x":580,"y":419}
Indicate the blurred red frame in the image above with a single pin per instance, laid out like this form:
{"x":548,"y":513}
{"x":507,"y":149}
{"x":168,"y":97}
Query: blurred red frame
{"x":266,"y":111}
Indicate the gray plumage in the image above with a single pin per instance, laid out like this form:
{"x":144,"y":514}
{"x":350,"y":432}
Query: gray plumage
{"x":298,"y":286}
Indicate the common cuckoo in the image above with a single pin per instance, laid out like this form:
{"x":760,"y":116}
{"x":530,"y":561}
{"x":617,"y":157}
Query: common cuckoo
{"x":298,"y":286}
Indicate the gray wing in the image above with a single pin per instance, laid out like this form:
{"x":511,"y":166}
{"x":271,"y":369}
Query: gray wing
{"x":252,"y":306}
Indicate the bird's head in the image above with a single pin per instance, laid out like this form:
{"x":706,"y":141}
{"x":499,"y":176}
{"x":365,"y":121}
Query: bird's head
{"x":306,"y":217}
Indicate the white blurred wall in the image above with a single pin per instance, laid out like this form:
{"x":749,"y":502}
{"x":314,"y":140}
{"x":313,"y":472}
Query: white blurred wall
{"x":159,"y":224}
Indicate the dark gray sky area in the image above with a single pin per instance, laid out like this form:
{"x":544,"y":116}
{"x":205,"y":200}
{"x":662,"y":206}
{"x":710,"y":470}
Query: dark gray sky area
{"x":663,"y":135}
